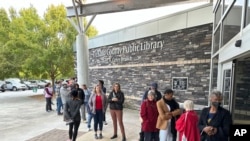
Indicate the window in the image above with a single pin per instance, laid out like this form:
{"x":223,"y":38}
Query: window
{"x":247,"y":13}
{"x":218,"y":15}
{"x":216,"y":40}
{"x":215,"y":72}
{"x":226,"y":87}
{"x":226,"y":4}
{"x":232,"y":23}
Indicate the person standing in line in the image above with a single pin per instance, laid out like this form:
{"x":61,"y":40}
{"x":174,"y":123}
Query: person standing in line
{"x":101,"y":84}
{"x":215,"y":121}
{"x":158,"y":96}
{"x":65,"y":96}
{"x":116,"y":100}
{"x":187,"y":124}
{"x":48,"y":92}
{"x":58,"y":98}
{"x":72,"y":112}
{"x":149,"y":115}
{"x":86,"y":106}
{"x":97,"y":105}
{"x":81,"y":96}
{"x":169,"y":111}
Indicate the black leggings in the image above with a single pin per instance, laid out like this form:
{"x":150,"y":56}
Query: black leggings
{"x":73,"y":134}
{"x":48,"y":104}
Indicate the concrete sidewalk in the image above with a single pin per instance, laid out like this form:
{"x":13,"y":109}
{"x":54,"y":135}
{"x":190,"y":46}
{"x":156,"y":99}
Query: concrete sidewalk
{"x":131,"y":123}
{"x":23,"y":118}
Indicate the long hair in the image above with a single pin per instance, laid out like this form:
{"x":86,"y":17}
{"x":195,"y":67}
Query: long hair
{"x":47,"y":85}
{"x":119,"y":87}
{"x":95,"y":91}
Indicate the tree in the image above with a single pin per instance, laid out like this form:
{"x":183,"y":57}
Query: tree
{"x":38,"y":47}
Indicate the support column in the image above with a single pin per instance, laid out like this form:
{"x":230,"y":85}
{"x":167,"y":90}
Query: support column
{"x":82,"y":56}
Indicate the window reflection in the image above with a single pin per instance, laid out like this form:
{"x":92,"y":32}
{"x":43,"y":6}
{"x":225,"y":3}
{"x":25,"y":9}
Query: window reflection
{"x":216,"y":41}
{"x":248,"y":13}
{"x":232,"y":23}
{"x":215,"y":72}
{"x":218,"y":15}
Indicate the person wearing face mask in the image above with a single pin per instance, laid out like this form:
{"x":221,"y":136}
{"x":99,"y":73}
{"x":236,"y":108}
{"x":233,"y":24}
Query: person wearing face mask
{"x":215,"y":121}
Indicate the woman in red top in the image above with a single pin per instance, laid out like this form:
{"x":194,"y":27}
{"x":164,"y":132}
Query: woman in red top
{"x":149,"y":115}
{"x":97,"y":105}
{"x":187,"y":124}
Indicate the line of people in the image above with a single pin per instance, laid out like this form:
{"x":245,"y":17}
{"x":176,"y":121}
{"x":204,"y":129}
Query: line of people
{"x":77,"y":102}
{"x":162,"y":119}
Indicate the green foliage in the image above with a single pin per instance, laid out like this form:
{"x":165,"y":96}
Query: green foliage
{"x":34,"y":47}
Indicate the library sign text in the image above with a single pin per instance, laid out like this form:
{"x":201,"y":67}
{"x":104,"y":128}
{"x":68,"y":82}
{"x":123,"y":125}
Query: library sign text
{"x":119,"y":54}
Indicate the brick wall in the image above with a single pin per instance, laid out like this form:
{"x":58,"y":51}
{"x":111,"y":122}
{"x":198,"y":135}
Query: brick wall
{"x":135,"y":64}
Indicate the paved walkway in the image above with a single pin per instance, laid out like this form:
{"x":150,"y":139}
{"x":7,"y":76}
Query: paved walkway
{"x":23,"y":118}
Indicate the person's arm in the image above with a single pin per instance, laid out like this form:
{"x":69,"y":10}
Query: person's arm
{"x":143,"y":112}
{"x":177,"y":111}
{"x":202,"y":124}
{"x":162,"y":114}
{"x":180,"y":123}
{"x":66,"y":111}
{"x":47,"y":91}
{"x":224,"y":129}
{"x":121,"y":98}
{"x":76,"y":110}
{"x":83,"y":96}
{"x":110,"y":97}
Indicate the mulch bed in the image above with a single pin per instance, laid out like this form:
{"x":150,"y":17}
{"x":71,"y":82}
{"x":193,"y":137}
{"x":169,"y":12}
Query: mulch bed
{"x":54,"y":135}
{"x":38,"y":97}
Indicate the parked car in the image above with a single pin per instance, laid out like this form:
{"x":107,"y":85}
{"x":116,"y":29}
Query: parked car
{"x":3,"y":86}
{"x":39,"y":83}
{"x":14,"y":86}
{"x":30,"y":85}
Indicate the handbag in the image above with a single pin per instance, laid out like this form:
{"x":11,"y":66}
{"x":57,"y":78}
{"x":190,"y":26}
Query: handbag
{"x":184,"y":138}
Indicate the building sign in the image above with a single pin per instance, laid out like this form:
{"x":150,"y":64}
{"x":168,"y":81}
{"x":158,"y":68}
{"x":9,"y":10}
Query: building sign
{"x":133,"y":47}
{"x":180,"y":83}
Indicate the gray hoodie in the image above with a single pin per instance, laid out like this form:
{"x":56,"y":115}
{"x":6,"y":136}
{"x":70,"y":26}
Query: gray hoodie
{"x":65,"y":94}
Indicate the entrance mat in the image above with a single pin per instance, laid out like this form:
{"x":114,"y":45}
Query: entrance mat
{"x":54,"y":135}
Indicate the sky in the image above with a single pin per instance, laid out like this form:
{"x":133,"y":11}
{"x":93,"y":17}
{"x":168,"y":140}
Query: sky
{"x":106,"y":22}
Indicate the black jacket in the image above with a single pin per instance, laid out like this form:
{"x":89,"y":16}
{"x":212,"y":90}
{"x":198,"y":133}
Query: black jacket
{"x":72,"y":109}
{"x":116,"y":105}
{"x":221,"y":120}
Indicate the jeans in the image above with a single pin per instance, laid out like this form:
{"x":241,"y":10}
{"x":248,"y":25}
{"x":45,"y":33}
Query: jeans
{"x":90,"y":116}
{"x":83,"y":111}
{"x":98,"y":120}
{"x":59,"y":104}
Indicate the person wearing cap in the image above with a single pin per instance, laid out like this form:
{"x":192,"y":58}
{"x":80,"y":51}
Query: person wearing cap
{"x":65,"y":92}
{"x":169,"y":111}
{"x":149,"y":114}
{"x":58,"y":98}
{"x":153,"y":87}
{"x":157,"y":97}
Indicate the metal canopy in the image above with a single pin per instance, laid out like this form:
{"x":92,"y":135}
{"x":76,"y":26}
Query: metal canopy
{"x":119,"y":6}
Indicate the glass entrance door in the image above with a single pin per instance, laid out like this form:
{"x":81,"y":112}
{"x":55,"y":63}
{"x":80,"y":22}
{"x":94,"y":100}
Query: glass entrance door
{"x":241,"y":94}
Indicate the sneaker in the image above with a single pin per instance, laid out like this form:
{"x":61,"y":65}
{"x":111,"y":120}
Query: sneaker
{"x":105,"y":123}
{"x":89,"y":129}
{"x":96,"y":137}
{"x":100,"y":136}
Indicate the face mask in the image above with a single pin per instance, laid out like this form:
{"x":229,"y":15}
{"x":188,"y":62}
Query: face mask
{"x":216,"y":104}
